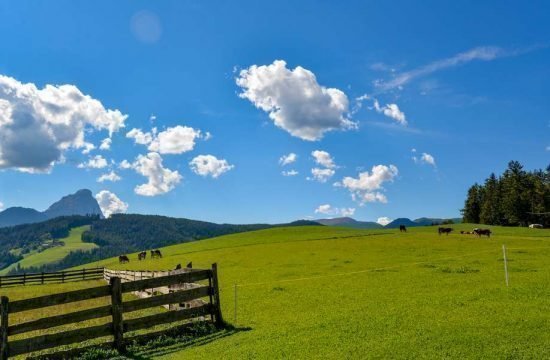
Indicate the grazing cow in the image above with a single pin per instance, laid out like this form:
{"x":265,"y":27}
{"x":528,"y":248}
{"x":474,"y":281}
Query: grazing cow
{"x":142,"y":255}
{"x":190,"y":265}
{"x":155,"y":253}
{"x":402,"y":228}
{"x":178,"y":267}
{"x":480,"y":232}
{"x":123,"y":259}
{"x":444,"y":230}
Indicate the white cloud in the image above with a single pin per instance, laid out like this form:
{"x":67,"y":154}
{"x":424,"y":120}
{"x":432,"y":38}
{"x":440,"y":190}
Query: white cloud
{"x":140,"y":137}
{"x":364,"y":188}
{"x":288,"y":159}
{"x":384,"y":220}
{"x":1,"y":205}
{"x":88,"y":147}
{"x":323,"y":158}
{"x":294,"y":100}
{"x":548,"y":148}
{"x":428,"y":159}
{"x":125,"y":164}
{"x":110,"y":203}
{"x":425,"y":158}
{"x":321,"y":175}
{"x":111,"y":176}
{"x":106,"y":144}
{"x":327,"y":209}
{"x":37,"y":126}
{"x":159,"y":179}
{"x":391,"y":111}
{"x":483,"y":53}
{"x":96,"y":162}
{"x":209,"y":165}
{"x":290,"y":173}
{"x":173,"y":140}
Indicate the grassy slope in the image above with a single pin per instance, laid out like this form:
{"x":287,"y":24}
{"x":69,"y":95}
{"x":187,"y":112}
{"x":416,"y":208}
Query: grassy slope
{"x":413,"y":295}
{"x":72,"y":242}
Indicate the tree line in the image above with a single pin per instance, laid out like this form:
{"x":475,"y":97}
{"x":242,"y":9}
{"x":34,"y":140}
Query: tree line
{"x":515,"y":198}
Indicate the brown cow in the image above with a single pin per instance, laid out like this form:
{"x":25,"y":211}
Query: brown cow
{"x":123,"y":259}
{"x":443,"y":230}
{"x":142,"y":255}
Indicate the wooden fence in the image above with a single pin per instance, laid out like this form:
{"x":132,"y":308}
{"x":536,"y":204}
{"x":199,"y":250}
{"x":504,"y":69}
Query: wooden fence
{"x":117,"y":327}
{"x":51,"y":277}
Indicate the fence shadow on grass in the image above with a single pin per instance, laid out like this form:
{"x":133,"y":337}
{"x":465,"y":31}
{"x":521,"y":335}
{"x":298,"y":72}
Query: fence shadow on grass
{"x":147,"y":353}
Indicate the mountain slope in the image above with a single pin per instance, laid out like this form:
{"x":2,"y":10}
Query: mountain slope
{"x":401,"y":221}
{"x":349,"y":222}
{"x":20,"y":215}
{"x":80,"y":203}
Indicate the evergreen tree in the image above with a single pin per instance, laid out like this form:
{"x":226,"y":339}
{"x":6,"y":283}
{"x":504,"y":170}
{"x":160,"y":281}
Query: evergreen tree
{"x":515,"y":195}
{"x":472,"y":207}
{"x":491,"y":207}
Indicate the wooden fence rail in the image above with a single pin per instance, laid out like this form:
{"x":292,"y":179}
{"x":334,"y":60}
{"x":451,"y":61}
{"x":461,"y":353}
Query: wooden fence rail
{"x":117,"y":327}
{"x":51,"y":277}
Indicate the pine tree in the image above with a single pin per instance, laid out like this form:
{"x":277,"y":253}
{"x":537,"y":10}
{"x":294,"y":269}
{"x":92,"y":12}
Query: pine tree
{"x":491,"y":206}
{"x":472,"y":206}
{"x":515,"y":195}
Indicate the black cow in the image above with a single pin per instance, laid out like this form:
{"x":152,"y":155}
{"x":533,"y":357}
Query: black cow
{"x":480,"y":232}
{"x":142,"y":255}
{"x":155,"y":253}
{"x":123,"y":259}
{"x":443,"y":230}
{"x":402,"y":228}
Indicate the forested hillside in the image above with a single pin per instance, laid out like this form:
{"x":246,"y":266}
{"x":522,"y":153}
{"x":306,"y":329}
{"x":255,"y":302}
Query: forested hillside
{"x":16,"y":241}
{"x":127,"y":233}
{"x":516,"y":198}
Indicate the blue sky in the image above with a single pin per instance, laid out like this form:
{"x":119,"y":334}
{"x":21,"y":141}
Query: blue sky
{"x":349,"y":89}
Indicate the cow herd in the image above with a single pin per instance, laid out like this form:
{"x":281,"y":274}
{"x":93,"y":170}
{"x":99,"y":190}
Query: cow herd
{"x":141,"y":256}
{"x":477,"y":231}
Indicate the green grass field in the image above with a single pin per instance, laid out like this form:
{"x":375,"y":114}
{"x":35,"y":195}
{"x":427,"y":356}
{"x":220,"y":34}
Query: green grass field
{"x":322,"y":292}
{"x":72,"y":242}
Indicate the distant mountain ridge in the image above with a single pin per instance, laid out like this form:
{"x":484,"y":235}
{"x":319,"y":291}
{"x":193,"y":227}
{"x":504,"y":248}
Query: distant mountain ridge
{"x":80,"y":203}
{"x":352,"y":223}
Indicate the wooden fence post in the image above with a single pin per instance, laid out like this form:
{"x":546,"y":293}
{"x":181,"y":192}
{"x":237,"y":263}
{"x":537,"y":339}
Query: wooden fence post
{"x":116,"y":309}
{"x":4,"y":311}
{"x":42,"y":278}
{"x":217,"y":304}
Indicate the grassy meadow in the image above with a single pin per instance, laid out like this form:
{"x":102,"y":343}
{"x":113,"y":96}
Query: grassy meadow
{"x":72,"y":242}
{"x":323,"y":292}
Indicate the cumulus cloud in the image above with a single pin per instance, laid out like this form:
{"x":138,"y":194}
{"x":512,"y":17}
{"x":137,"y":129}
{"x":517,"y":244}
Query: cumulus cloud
{"x":110,"y":203}
{"x":321,"y":175}
{"x":125,"y":164}
{"x":391,"y":111}
{"x":323,"y":158}
{"x":96,"y":162}
{"x":173,"y":140}
{"x":384,"y":220}
{"x":288,"y":159}
{"x":140,"y":137}
{"x":111,"y":176}
{"x":37,"y":126}
{"x":294,"y":100}
{"x":425,"y":158}
{"x":209,"y":165}
{"x":327,"y":209}
{"x":290,"y":172}
{"x":364,"y":189}
{"x":160,"y":180}
{"x":88,"y":147}
{"x":106,"y":144}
